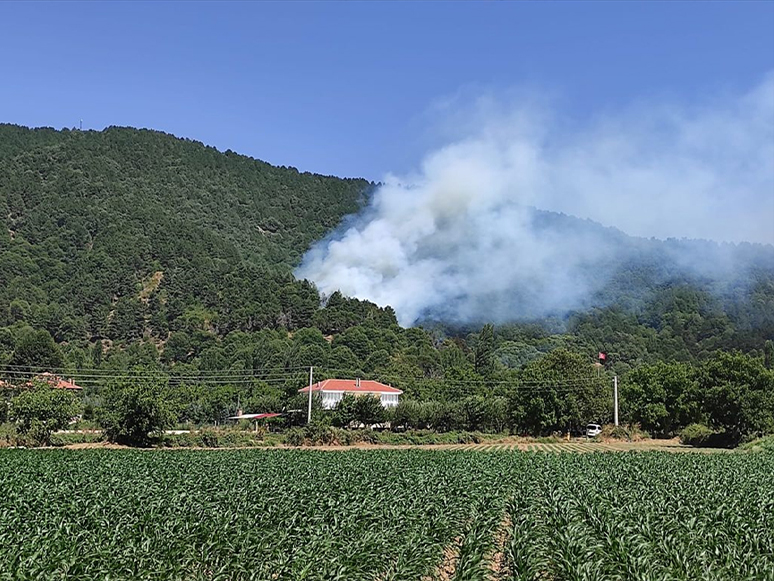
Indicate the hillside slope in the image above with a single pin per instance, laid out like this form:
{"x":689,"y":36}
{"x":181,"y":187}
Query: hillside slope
{"x":95,"y":221}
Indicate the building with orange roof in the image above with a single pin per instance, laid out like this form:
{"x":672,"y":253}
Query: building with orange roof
{"x":333,"y":390}
{"x":57,"y":382}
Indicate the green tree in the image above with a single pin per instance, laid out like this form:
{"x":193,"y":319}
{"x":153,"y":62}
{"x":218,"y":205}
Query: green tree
{"x":18,"y":310}
{"x":369,"y":410}
{"x":738,"y":395}
{"x":485,"y":351}
{"x":37,"y":350}
{"x":662,"y":398}
{"x":136,"y":409}
{"x":40,"y":411}
{"x":558,"y":392}
{"x":346,"y":410}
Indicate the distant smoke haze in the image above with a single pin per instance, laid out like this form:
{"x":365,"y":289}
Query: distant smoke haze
{"x":459,"y":236}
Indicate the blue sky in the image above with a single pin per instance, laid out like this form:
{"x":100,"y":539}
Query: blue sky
{"x":345,"y":88}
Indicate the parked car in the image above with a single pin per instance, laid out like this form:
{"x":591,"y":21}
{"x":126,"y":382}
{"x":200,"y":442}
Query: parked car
{"x":593,"y":430}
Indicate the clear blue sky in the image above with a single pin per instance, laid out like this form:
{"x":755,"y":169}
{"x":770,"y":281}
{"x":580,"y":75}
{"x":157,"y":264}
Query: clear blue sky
{"x":342,"y":88}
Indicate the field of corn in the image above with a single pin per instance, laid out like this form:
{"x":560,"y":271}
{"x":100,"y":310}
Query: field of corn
{"x":382,"y":515}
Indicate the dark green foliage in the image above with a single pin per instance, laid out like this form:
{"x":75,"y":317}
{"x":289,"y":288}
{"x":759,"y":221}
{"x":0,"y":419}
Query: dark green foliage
{"x":731,"y":392}
{"x":485,"y":351}
{"x":35,"y":350}
{"x":369,"y":410}
{"x":365,"y":409}
{"x":345,"y":412}
{"x":127,"y":248}
{"x":116,"y":233}
{"x":738,"y":395}
{"x":662,"y":397}
{"x":559,"y":392}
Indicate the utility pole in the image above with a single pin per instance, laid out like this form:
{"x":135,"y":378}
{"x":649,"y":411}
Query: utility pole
{"x":615,"y":399}
{"x":309,"y":413}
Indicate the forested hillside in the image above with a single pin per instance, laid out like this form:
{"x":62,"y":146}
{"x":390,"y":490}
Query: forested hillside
{"x":126,"y":248}
{"x":117,"y":233}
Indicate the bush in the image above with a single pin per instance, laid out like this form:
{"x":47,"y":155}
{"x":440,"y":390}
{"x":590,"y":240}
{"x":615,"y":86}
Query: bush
{"x":765,"y":444}
{"x":630,"y":432}
{"x":75,"y":438}
{"x":294,"y":437}
{"x":8,"y":435}
{"x":696,"y":435}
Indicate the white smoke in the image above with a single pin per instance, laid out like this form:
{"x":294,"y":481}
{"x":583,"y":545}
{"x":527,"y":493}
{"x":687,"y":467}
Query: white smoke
{"x":459,"y":237}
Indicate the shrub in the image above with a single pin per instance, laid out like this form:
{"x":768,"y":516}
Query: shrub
{"x":75,"y":438}
{"x":765,"y":444}
{"x":630,"y":432}
{"x":295,"y":437}
{"x":696,"y":435}
{"x":8,"y":435}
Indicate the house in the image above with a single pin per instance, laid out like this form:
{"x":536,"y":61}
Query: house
{"x":49,"y":378}
{"x":332,"y":390}
{"x":57,"y":382}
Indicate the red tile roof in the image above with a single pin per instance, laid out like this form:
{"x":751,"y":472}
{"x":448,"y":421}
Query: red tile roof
{"x":57,"y":382}
{"x":350,"y":386}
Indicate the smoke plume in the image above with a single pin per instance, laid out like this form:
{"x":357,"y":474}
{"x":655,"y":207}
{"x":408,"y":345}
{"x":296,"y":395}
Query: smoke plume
{"x":461,"y":238}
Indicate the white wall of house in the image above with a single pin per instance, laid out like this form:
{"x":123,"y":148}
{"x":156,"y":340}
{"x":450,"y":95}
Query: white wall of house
{"x":389,"y":400}
{"x":330,"y":399}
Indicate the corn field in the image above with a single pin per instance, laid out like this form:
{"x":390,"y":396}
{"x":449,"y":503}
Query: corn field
{"x":385,"y":515}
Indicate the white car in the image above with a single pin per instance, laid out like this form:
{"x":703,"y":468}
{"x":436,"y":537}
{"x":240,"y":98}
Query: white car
{"x":593,"y":430}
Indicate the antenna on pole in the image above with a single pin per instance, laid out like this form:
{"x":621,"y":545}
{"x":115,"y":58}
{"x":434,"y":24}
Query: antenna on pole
{"x":615,"y":399}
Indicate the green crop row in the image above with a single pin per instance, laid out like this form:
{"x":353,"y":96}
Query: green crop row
{"x":384,"y":515}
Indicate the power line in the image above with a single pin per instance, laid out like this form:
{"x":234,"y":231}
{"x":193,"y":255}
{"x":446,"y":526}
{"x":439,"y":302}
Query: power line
{"x":243,"y":377}
{"x":106,"y":379}
{"x":66,"y":370}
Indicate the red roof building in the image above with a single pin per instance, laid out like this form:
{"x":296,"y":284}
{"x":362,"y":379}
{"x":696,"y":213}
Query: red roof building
{"x":57,"y":382}
{"x":332,"y":390}
{"x":48,"y":378}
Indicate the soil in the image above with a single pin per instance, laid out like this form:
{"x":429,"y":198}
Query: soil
{"x":448,"y":565}
{"x":497,"y":561}
{"x":522,"y":444}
